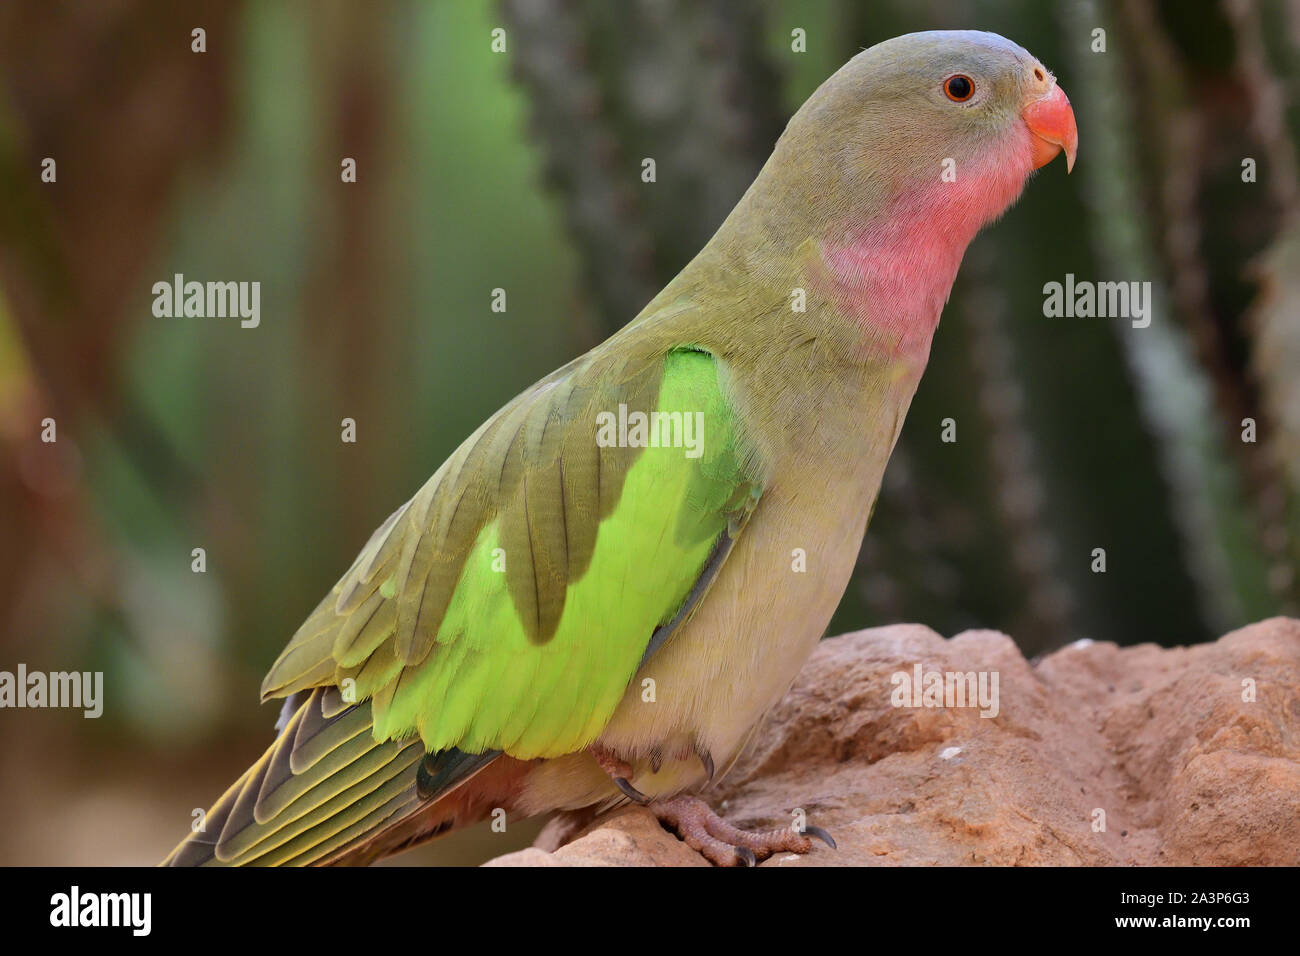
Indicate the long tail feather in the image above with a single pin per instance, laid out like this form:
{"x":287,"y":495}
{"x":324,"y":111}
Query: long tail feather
{"x":326,"y":792}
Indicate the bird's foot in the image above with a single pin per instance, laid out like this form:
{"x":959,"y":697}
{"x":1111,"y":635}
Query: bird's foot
{"x":725,"y":845}
{"x":618,"y":770}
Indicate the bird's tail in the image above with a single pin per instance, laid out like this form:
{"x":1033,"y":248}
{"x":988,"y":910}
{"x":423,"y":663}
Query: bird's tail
{"x":326,"y":792}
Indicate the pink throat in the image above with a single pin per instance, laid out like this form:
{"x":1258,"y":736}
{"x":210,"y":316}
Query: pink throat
{"x":893,"y":275}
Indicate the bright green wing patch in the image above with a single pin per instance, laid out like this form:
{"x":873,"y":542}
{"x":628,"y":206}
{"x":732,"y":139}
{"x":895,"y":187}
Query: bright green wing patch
{"x":509,"y":603}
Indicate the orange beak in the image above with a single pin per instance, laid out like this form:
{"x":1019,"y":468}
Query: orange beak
{"x":1051,"y":121}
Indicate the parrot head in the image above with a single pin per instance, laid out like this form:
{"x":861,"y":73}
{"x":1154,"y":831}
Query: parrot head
{"x":947,"y":98}
{"x":901,"y":156}
{"x":967,"y":96}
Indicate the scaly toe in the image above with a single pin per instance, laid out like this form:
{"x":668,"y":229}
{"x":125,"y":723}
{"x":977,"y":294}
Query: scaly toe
{"x":726,"y":845}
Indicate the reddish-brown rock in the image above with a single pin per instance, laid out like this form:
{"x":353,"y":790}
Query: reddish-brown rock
{"x":1097,"y":755}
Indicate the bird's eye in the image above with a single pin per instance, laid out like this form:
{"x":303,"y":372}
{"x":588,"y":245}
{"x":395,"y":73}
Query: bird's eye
{"x":959,"y":88}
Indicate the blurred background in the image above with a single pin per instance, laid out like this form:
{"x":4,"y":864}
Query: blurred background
{"x":520,"y":170}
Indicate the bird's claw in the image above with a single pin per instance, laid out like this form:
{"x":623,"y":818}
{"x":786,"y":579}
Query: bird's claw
{"x":618,"y":770}
{"x":726,"y":845}
{"x":706,"y":758}
{"x":631,"y":792}
{"x":822,"y":835}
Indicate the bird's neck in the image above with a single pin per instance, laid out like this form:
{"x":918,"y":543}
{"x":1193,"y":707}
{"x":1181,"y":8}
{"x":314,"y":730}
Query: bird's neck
{"x":832,"y":303}
{"x":891,"y":274}
{"x":868,"y":269}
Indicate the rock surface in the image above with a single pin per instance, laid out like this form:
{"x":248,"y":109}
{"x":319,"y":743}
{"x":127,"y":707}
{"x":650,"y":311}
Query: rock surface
{"x":1097,"y":755}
